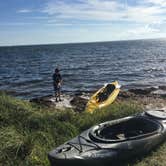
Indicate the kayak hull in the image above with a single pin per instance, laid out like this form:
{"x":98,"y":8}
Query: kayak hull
{"x":97,"y":146}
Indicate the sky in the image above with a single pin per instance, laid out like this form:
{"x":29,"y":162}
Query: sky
{"x":25,"y":22}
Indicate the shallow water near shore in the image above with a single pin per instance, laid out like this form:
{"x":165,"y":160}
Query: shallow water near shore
{"x":26,"y":71}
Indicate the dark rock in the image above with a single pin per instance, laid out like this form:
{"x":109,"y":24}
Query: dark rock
{"x":126,"y":94}
{"x":162,"y":87}
{"x":45,"y":100}
{"x":84,"y":93}
{"x":79,"y":103}
{"x":145,"y":91}
{"x":160,"y":93}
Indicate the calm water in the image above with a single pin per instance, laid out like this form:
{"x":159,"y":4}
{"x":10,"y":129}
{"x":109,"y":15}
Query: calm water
{"x":27,"y":70}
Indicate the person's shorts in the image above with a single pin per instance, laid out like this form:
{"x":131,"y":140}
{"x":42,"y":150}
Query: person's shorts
{"x":57,"y":88}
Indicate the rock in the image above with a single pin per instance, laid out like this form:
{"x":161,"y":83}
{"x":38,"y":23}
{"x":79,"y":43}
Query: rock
{"x":79,"y":100}
{"x":160,"y":93}
{"x":145,"y":91}
{"x":126,"y":94}
{"x":162,"y":87}
{"x":50,"y":101}
{"x":79,"y":103}
{"x":45,"y":100}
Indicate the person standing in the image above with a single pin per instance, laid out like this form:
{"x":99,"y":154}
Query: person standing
{"x":57,"y":83}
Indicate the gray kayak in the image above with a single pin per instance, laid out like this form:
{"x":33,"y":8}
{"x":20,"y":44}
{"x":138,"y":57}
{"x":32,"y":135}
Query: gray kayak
{"x":113,"y":141}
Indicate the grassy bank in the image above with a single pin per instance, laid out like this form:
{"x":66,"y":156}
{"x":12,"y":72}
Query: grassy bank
{"x":28,"y":131}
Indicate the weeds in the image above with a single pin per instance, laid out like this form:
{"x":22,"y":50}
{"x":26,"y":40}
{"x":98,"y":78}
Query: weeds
{"x":28,"y":131}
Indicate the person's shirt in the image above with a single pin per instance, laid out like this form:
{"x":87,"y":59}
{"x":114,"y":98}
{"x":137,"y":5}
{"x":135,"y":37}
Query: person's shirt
{"x":57,"y":78}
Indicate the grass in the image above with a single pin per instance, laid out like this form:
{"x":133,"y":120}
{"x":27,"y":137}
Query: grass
{"x":28,"y":131}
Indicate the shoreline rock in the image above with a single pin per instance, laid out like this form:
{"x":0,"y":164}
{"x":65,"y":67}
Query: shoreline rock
{"x":147,"y":97}
{"x":76,"y":102}
{"x":145,"y":91}
{"x":79,"y":103}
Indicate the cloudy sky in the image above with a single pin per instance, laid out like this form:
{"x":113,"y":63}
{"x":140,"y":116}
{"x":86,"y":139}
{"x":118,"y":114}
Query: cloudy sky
{"x":65,"y":21}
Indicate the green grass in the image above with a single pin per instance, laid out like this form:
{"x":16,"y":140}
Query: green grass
{"x":28,"y":131}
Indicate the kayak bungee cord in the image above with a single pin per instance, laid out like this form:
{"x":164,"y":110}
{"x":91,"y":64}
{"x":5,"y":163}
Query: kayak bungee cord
{"x":73,"y":144}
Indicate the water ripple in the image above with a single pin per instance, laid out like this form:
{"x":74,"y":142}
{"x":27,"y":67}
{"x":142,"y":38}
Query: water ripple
{"x":28,"y":70}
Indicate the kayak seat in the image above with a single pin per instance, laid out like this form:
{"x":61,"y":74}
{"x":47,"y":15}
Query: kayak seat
{"x":133,"y":133}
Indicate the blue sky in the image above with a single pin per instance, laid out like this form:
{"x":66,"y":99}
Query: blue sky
{"x":64,"y":21}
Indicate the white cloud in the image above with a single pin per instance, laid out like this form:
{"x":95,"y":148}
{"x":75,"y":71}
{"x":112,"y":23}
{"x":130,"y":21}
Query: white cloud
{"x":157,"y":2}
{"x":24,"y":11}
{"x":144,"y":30}
{"x":87,"y":10}
{"x":143,"y":14}
{"x":108,"y":10}
{"x":59,"y":24}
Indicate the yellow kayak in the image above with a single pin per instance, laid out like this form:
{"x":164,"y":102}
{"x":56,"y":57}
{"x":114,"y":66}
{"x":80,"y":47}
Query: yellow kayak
{"x":103,"y":97}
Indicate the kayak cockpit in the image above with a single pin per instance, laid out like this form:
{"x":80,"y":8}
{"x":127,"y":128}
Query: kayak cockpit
{"x":133,"y":128}
{"x":104,"y":94}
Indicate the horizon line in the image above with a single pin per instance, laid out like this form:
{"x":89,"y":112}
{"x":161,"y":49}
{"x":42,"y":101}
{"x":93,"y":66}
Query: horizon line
{"x":66,"y":43}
